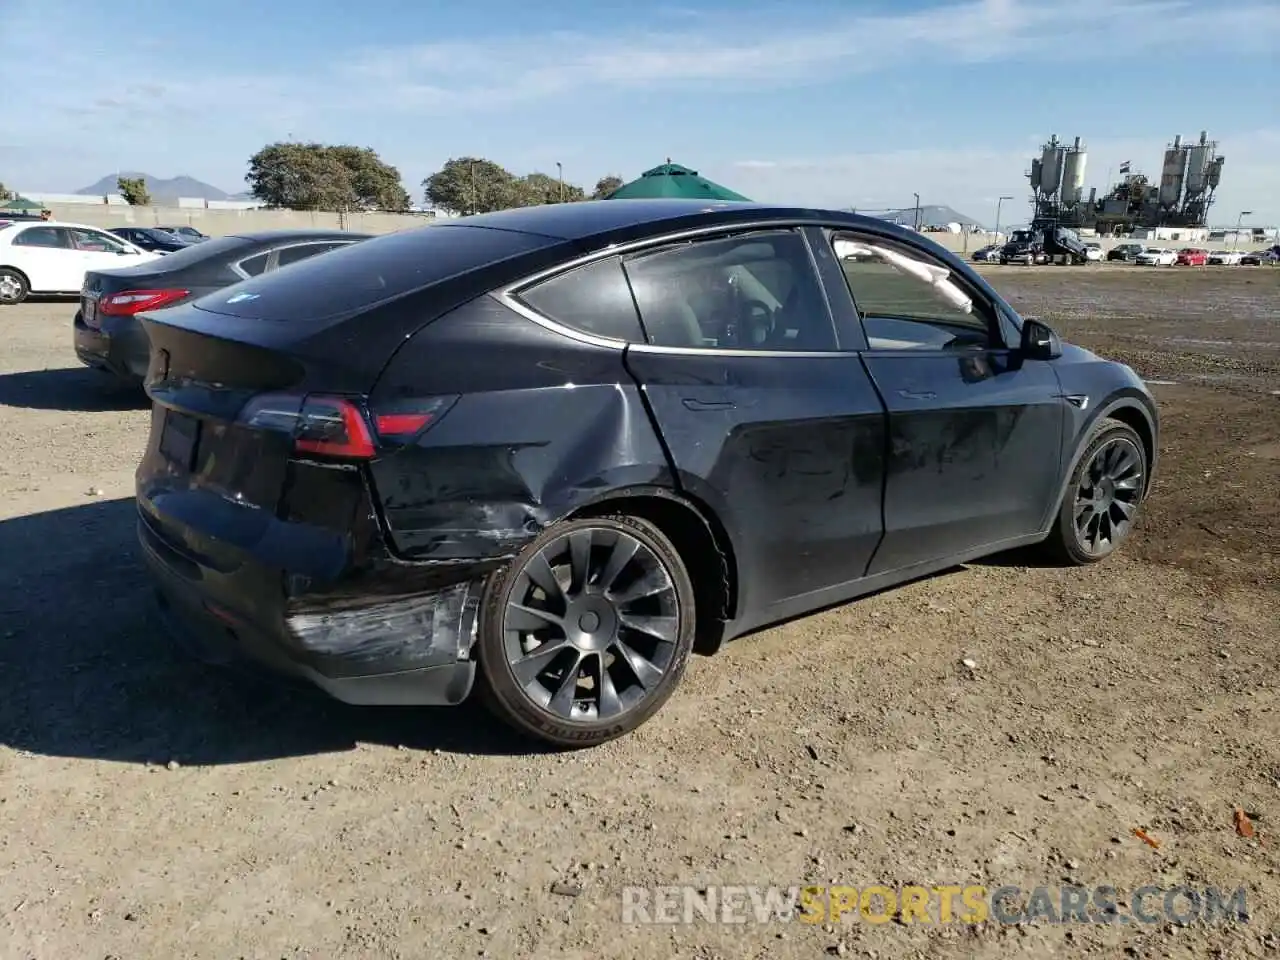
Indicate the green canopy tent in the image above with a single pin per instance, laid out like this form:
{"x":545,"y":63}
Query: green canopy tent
{"x":19,"y":204}
{"x":672,"y":180}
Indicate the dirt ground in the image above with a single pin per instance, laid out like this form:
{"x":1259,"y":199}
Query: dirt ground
{"x":154,"y":808}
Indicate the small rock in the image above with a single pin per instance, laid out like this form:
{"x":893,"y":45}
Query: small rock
{"x":562,"y":889}
{"x":131,"y":917}
{"x":1090,"y":642}
{"x":971,"y":664}
{"x":94,"y":492}
{"x":172,"y":765}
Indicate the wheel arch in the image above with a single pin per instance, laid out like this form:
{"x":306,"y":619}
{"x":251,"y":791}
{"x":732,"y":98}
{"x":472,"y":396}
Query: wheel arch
{"x":702,"y":542}
{"x":1127,"y":407}
{"x":19,"y":271}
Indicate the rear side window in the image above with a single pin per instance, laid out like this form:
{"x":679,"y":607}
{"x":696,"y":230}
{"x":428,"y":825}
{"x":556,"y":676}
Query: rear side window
{"x":594,"y":299}
{"x":303,"y":250}
{"x":220,"y":249}
{"x":254,"y":265}
{"x":369,"y":272}
{"x":43,"y":237}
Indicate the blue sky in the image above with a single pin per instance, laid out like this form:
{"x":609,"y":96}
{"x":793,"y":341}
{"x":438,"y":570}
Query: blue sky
{"x":824,"y":102}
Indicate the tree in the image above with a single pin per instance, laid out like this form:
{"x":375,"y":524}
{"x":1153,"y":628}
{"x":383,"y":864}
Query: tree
{"x":134,"y":191}
{"x":467,"y":185}
{"x":605,"y":186}
{"x":543,"y":188}
{"x":316,"y":176}
{"x":471,"y":185}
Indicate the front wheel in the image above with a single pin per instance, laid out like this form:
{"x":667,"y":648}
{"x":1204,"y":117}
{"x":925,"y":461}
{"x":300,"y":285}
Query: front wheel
{"x":587,"y":633}
{"x":13,"y":286}
{"x":1102,"y":496}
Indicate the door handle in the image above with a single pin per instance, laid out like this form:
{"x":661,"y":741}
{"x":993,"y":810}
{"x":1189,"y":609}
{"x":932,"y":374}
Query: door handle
{"x":917,"y":394}
{"x":696,"y":405}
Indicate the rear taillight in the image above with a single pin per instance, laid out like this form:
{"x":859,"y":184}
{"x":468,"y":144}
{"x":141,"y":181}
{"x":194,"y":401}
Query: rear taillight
{"x":129,"y":302}
{"x":327,"y":426}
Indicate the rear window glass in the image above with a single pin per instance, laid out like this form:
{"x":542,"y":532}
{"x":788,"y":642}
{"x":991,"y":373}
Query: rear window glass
{"x":366,"y":273}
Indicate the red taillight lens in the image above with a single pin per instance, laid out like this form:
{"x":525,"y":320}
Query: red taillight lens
{"x":401,"y":422}
{"x":129,"y":302}
{"x":333,"y":427}
{"x":328,"y":426}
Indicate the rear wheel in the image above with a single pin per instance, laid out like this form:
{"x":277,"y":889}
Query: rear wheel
{"x":13,"y":286}
{"x":1102,"y":497}
{"x":587,"y":634}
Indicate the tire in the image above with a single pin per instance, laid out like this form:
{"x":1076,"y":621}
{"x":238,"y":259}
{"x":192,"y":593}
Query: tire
{"x":1114,"y":452}
{"x":588,"y":625}
{"x":14,"y":287}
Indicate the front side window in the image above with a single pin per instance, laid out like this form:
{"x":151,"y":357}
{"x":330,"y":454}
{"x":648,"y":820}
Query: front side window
{"x":908,"y":301}
{"x":752,"y":292}
{"x":96,"y":241}
{"x":593,"y":299}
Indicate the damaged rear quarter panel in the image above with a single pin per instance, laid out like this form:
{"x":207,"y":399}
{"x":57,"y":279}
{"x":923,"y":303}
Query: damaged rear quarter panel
{"x":545,"y":424}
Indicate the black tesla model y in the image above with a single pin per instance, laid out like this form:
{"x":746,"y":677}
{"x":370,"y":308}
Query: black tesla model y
{"x":548,"y":452}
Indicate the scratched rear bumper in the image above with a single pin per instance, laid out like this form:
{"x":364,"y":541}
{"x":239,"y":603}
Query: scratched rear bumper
{"x":406,"y":650}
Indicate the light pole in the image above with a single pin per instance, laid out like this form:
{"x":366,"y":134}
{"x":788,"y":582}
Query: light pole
{"x":1235,"y":237}
{"x":560,"y":173}
{"x":999,"y":202}
{"x":917,"y":219}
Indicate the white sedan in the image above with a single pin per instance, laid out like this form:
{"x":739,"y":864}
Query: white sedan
{"x":1093,"y":251}
{"x":1158,"y":257}
{"x":1225,"y":258}
{"x":50,"y":257}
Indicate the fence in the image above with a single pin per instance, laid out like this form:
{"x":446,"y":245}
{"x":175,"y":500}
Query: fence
{"x":222,"y":222}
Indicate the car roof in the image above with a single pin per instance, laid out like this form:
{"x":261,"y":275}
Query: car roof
{"x":21,"y":225}
{"x":603,"y":220}
{"x":272,"y":236}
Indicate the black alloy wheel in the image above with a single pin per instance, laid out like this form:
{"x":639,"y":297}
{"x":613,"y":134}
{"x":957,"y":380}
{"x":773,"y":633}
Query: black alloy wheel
{"x":1103,"y":496}
{"x":587,"y":633}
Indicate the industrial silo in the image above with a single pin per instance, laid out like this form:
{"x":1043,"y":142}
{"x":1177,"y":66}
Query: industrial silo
{"x":1172,"y":174}
{"x":1051,"y":167}
{"x":1199,"y":161}
{"x":1073,"y":174}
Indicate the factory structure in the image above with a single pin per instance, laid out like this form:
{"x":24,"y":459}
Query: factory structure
{"x":1179,"y":199}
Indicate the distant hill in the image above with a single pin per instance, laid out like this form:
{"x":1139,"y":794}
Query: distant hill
{"x":931,"y":215}
{"x":159,"y":189}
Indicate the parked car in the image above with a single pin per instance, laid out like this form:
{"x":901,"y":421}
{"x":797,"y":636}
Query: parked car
{"x":547,"y":452}
{"x":1157,"y":257}
{"x":188,"y":233}
{"x":152,"y":239}
{"x":987,"y":254}
{"x":105,"y":331}
{"x":1093,"y":252}
{"x":1225,"y":258}
{"x":1192,"y":257}
{"x":1125,"y":252}
{"x":1261,"y":258}
{"x":51,"y":259}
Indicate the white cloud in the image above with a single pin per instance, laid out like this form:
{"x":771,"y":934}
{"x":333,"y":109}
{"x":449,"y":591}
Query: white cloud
{"x":970,"y":179}
{"x":180,"y":108}
{"x":763,"y":52}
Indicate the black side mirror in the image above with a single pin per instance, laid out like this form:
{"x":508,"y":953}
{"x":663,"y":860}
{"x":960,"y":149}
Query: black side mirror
{"x":1039,"y":342}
